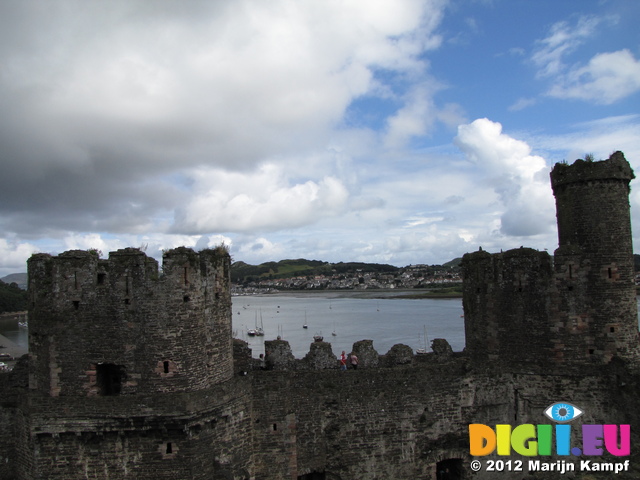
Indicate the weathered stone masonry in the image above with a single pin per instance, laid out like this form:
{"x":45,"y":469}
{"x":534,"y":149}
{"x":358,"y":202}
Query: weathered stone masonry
{"x":527,"y":310}
{"x":133,"y":374}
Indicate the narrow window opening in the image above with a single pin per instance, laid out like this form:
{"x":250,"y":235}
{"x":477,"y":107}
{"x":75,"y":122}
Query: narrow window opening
{"x":109,"y":378}
{"x":101,"y":278}
{"x":591,"y":351}
{"x":186,"y":278}
{"x":570,"y":288}
{"x":612,"y":329}
{"x":313,"y":476}
{"x":126,"y":284}
{"x":169,"y":448}
{"x":186,"y":298}
{"x":275,"y":427}
{"x":449,"y":469}
{"x":76,"y":304}
{"x":166,"y":366}
{"x":75,"y":280}
{"x":609,"y":271}
{"x":127,"y":301}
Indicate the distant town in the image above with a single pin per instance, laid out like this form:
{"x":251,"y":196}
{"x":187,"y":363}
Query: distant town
{"x":402,"y":278}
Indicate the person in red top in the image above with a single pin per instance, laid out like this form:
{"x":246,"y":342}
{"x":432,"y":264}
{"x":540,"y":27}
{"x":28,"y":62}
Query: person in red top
{"x":343,"y":362}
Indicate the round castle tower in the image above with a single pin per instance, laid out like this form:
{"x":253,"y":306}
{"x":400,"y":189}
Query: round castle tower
{"x":526,"y":311}
{"x":119,"y":327}
{"x":594,"y":268}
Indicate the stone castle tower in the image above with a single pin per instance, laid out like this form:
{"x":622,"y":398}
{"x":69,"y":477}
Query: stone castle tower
{"x":595,"y":293}
{"x":129,"y":366}
{"x":118,"y":327}
{"x":527,"y":311}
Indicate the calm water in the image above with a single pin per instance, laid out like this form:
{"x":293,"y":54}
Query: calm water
{"x":10,"y":329}
{"x":385,"y":321}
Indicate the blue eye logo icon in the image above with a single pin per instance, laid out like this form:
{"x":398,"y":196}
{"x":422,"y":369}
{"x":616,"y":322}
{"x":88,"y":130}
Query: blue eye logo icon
{"x":562,"y":412}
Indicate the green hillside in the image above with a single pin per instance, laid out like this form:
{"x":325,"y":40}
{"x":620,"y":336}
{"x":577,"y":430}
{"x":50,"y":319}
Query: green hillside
{"x":242,"y":272}
{"x":12,"y":298}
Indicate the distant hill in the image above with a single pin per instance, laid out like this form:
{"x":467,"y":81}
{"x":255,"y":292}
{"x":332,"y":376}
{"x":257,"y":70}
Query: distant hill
{"x":18,"y":278}
{"x":453,"y":263}
{"x":242,"y":272}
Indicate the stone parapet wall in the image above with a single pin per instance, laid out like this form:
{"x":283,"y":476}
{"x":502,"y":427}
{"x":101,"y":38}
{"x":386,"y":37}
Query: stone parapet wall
{"x":506,"y":308}
{"x":183,"y":435}
{"x":118,"y":326}
{"x":399,"y":422}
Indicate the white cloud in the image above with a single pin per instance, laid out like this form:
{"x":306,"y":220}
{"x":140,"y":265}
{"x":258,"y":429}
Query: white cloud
{"x":237,"y":116}
{"x":420,"y":221}
{"x":607,"y":78}
{"x":519,"y":178}
{"x":264,"y":200}
{"x":414,"y":119}
{"x":14,"y":255}
{"x":419,"y":114}
{"x":255,"y":250}
{"x":86,"y":241}
{"x":562,"y":40}
{"x":522,"y":103}
{"x":225,"y":84}
{"x":179,"y":120}
{"x":600,"y":137}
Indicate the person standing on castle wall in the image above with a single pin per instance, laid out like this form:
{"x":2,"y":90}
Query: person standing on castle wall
{"x":263,"y":366}
{"x":343,"y":361}
{"x":354,"y":361}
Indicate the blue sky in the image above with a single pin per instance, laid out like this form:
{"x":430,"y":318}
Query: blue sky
{"x":389,"y":131}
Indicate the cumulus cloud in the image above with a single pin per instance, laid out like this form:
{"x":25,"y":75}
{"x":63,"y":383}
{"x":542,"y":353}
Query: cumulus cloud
{"x":14,"y":255}
{"x":282,"y":128}
{"x":264,"y":200}
{"x":103,"y":106}
{"x":519,"y":179}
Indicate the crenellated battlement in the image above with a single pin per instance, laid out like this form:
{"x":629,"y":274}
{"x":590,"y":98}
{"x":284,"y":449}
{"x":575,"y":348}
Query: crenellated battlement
{"x":321,"y":356}
{"x":614,"y":168}
{"x":120,"y":326}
